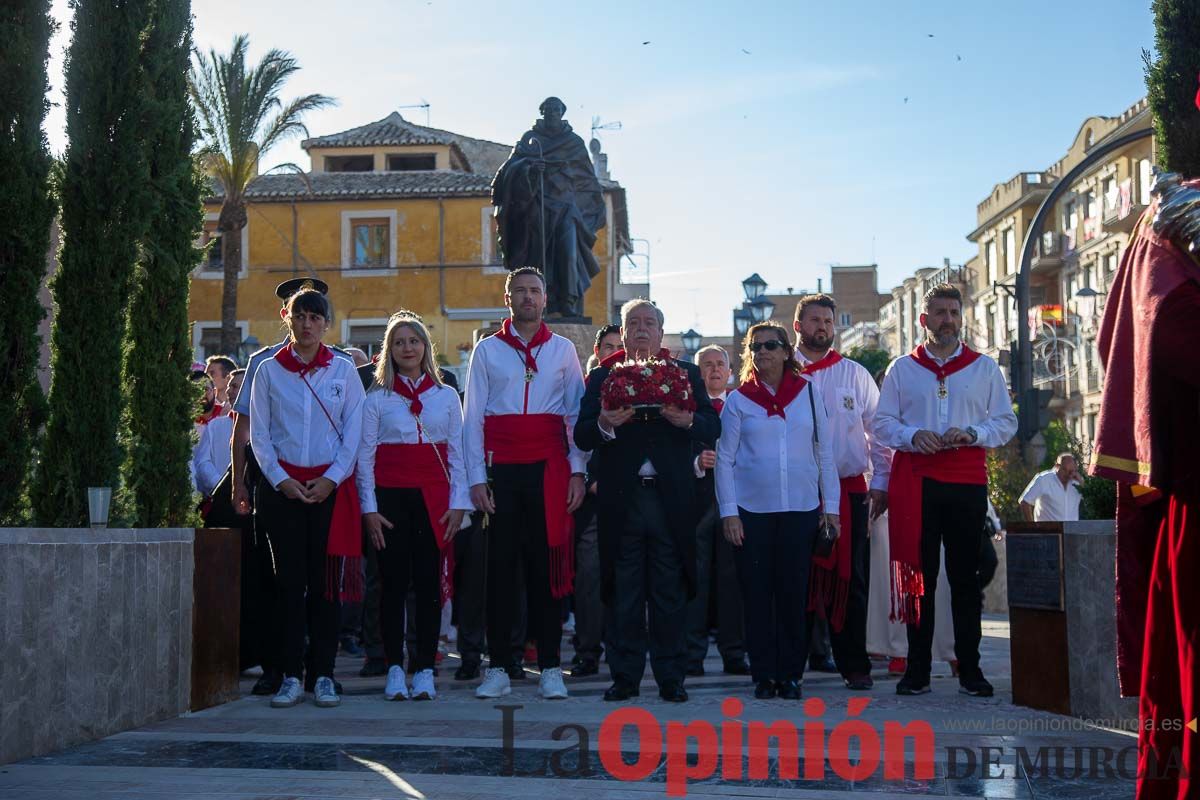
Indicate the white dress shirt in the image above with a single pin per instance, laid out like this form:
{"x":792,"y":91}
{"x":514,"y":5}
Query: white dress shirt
{"x":287,"y":423}
{"x":976,"y":398}
{"x":1051,"y":501}
{"x":496,"y":385}
{"x":387,"y":420}
{"x":241,"y":404}
{"x":766,"y":464}
{"x":851,"y":397}
{"x":211,"y":457}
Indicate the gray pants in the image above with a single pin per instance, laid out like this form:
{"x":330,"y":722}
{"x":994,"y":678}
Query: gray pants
{"x":589,"y":607}
{"x":712,"y":551}
{"x":649,"y":572}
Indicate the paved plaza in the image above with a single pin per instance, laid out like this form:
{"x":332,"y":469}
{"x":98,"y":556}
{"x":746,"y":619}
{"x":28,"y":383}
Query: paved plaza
{"x":454,"y":747}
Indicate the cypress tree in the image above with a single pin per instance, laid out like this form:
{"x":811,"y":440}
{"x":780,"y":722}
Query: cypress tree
{"x":103,"y":217}
{"x":27,"y":209}
{"x":1172,"y":82}
{"x":157,"y":425}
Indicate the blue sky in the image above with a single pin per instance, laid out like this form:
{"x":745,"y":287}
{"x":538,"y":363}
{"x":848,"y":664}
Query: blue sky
{"x":799,"y":153}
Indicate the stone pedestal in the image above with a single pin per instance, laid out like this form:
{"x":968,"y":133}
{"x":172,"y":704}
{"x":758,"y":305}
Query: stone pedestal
{"x":1062,"y":612}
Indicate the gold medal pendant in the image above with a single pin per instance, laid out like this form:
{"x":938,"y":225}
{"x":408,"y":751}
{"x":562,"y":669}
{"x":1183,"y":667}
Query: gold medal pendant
{"x":529,"y":376}
{"x":942,"y":393}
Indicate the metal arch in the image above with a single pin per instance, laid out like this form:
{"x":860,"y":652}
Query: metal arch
{"x":1024,"y":345}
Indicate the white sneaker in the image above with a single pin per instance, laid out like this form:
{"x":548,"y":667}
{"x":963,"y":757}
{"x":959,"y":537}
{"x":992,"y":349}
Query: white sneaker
{"x":495,"y":684}
{"x":290,"y":693}
{"x":423,"y":688}
{"x":326,"y":693}
{"x":397,"y":684}
{"x":552,"y":686}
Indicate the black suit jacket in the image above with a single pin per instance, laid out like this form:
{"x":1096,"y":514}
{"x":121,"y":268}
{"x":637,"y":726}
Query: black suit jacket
{"x":615,"y":464}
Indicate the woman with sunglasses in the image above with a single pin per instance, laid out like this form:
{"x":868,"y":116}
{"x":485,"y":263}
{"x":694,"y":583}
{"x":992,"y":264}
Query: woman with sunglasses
{"x":413,"y":486}
{"x":305,"y":424}
{"x":773,"y":471}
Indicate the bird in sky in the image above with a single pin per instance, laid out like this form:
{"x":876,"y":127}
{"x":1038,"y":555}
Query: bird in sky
{"x":744,"y":50}
{"x":646,"y":42}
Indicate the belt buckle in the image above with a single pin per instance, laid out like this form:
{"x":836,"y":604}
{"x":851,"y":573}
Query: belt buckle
{"x":648,"y":481}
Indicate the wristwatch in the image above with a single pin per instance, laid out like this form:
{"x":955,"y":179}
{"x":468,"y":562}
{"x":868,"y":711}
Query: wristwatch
{"x":974,"y":434}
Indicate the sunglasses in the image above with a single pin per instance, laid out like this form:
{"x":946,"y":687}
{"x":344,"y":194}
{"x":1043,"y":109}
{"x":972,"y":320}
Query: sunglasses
{"x":771,"y":346}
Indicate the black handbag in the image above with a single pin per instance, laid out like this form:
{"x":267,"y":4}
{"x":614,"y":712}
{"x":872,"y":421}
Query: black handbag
{"x":826,"y":535}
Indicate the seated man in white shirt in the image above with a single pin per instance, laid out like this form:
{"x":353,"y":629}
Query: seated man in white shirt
{"x":1053,"y":495}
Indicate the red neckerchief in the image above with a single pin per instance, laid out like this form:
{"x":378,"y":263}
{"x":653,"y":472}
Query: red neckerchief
{"x":617,"y":356}
{"x":208,"y":417}
{"x":826,"y":361}
{"x":961,"y":361}
{"x":506,"y":335}
{"x":287,"y":357}
{"x":789,"y":386}
{"x":400,"y":385}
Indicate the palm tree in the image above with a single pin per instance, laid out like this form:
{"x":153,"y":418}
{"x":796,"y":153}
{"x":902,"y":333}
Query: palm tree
{"x":241,"y":118}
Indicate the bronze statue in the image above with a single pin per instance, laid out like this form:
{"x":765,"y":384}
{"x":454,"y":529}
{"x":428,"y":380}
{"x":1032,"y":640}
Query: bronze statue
{"x":549,"y":206}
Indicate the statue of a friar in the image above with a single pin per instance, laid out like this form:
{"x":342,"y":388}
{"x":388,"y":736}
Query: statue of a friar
{"x":549,"y":206}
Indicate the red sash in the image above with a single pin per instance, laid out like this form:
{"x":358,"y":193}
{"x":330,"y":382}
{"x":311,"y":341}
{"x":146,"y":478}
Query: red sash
{"x":909,"y":470}
{"x":790,"y":385}
{"x":961,"y":361}
{"x":343,"y":565}
{"x":829,"y":579}
{"x":528,"y":439}
{"x":416,"y":466}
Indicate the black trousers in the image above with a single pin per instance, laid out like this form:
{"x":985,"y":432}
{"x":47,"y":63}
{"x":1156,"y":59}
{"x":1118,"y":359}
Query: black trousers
{"x":410,"y":557}
{"x":714,"y":553}
{"x":952,"y":515}
{"x":299,"y":535}
{"x":516,"y":549}
{"x":850,"y":643}
{"x":372,"y":632}
{"x":589,"y":603}
{"x":649,"y":571}
{"x":773,"y":564}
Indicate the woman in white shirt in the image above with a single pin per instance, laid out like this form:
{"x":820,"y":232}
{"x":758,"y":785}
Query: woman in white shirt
{"x":413,"y":488}
{"x":305,"y":422}
{"x":768,"y":498}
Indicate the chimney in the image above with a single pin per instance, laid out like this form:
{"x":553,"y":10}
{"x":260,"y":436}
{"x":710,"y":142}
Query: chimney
{"x":789,"y":290}
{"x":818,"y":285}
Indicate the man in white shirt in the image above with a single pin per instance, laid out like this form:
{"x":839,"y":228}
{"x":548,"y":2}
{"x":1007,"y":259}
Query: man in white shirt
{"x":712,"y":549}
{"x":939,"y":408}
{"x":839,"y":585}
{"x":524,"y":385}
{"x":1053,"y":495}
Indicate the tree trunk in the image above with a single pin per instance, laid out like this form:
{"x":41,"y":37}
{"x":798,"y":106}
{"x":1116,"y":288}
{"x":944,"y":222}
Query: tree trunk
{"x":231,"y":224}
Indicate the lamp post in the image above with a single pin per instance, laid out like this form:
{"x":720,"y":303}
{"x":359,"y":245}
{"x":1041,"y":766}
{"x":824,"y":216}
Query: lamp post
{"x":754,"y":287}
{"x":691,"y":343}
{"x":1087,"y":297}
{"x":761,"y":309}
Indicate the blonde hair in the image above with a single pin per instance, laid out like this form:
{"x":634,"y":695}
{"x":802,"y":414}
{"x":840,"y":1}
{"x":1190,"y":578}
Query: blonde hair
{"x":385,"y":372}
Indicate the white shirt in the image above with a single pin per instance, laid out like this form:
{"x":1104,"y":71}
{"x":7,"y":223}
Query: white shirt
{"x":496,"y":385}
{"x":1051,"y":501}
{"x":241,"y":403}
{"x":976,"y":397}
{"x":287,"y":423}
{"x":766,"y":464}
{"x":211,"y":457}
{"x":851,"y":397}
{"x":387,"y":420}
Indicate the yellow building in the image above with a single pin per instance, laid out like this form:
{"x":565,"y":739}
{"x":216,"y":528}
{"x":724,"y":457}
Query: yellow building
{"x":391,"y":215}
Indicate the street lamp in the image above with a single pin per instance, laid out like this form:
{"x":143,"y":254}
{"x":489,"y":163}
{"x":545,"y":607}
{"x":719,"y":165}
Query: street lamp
{"x":1087,"y":297}
{"x":761,"y":309}
{"x":741,"y":321}
{"x":691,"y":342}
{"x":754,"y":286}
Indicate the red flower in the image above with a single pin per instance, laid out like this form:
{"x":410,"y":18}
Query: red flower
{"x":653,"y":382}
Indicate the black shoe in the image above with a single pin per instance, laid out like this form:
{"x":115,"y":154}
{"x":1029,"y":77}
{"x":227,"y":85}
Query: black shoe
{"x":859,"y":681}
{"x":976,"y":686}
{"x":695,"y":671}
{"x":673,"y":693}
{"x":350,"y":646}
{"x":585,"y":668}
{"x":737,"y":666}
{"x":469,"y":671}
{"x":373,"y":668}
{"x":576,"y":660}
{"x":268,"y":684}
{"x":818,"y":664}
{"x":620,"y":691}
{"x":787,"y":690}
{"x":912,"y":684}
{"x":515,"y":672}
{"x":764,"y":690}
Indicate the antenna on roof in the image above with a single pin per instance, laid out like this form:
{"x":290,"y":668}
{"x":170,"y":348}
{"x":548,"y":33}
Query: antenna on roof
{"x":423,"y":104}
{"x":607,"y":126}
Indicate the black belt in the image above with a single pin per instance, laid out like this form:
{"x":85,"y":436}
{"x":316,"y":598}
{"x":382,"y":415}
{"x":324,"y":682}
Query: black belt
{"x":648,"y":481}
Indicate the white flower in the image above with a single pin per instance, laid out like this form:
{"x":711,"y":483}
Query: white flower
{"x":647,"y":371}
{"x":665,"y":388}
{"x":631,"y":390}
